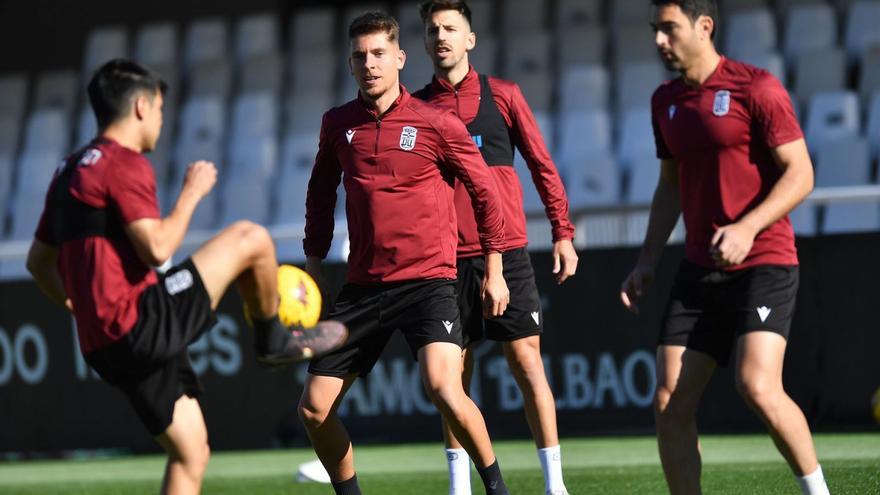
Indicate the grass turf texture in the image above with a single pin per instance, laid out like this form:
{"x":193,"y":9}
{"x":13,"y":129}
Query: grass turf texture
{"x":732,"y":465}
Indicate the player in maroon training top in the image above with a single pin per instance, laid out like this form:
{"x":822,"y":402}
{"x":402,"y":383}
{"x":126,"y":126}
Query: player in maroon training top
{"x":397,"y":157}
{"x":734,"y":163}
{"x":99,"y":236}
{"x":499,"y":118}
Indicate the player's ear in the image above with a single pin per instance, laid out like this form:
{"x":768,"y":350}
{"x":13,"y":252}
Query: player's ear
{"x":141,"y":106}
{"x":705,"y":25}
{"x":470,"y":41}
{"x":401,"y":59}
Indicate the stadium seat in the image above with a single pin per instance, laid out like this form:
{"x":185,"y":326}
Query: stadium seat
{"x":635,"y":136}
{"x":784,"y":8}
{"x":35,"y":170}
{"x":13,"y":95}
{"x":845,"y":162}
{"x":582,"y":134}
{"x":832,"y":115}
{"x":419,"y":69}
{"x":772,"y":62}
{"x":254,"y":115}
{"x":7,"y":164}
{"x":200,"y":138}
{"x":305,"y":110}
{"x":26,"y":209}
{"x":484,"y":57}
{"x":803,"y":220}
{"x":47,"y":128}
{"x":636,"y":82}
{"x":104,"y":44}
{"x":527,"y":54}
{"x":206,"y":41}
{"x":584,"y":87}
{"x":629,"y":13}
{"x":750,"y":31}
{"x":56,"y":89}
{"x":644,"y":172}
{"x":257,"y":35}
{"x":578,"y":14}
{"x":808,"y":28}
{"x":861,"y":28}
{"x":86,"y":127}
{"x":823,"y":70}
{"x":537,"y":89}
{"x":246,"y":193}
{"x":244,"y":200}
{"x":352,"y":11}
{"x":211,"y":78}
{"x":156,"y":44}
{"x":869,"y":73}
{"x":872,"y":132}
{"x":730,"y":7}
{"x":593,"y":180}
{"x":633,"y":44}
{"x":522,"y":16}
{"x":263,"y":72}
{"x":295,"y":168}
{"x":313,"y":29}
{"x":582,"y":45}
{"x":10,"y":134}
{"x":310,"y":71}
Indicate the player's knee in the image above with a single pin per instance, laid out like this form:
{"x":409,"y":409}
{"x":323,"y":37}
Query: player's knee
{"x":444,"y":393}
{"x":758,"y":392}
{"x":312,"y":415}
{"x":252,"y":238}
{"x":527,"y":364}
{"x":671,"y":409}
{"x":200,"y":460}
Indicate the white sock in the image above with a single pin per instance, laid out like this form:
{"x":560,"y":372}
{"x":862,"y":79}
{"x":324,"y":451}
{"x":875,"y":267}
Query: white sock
{"x":459,"y":471}
{"x":551,"y":463}
{"x":814,"y":483}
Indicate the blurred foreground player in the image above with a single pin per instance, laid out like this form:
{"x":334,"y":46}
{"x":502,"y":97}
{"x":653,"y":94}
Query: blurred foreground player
{"x":734,"y":162}
{"x":98,"y":237}
{"x":397,"y":157}
{"x":499,"y":119}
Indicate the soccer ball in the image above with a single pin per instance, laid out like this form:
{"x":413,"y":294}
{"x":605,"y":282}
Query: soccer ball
{"x":875,"y":405}
{"x":300,"y":297}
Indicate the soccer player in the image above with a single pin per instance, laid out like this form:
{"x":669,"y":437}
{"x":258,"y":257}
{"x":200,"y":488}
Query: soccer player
{"x":98,"y":238}
{"x":734,"y":162}
{"x":397,"y":157}
{"x":499,"y":118}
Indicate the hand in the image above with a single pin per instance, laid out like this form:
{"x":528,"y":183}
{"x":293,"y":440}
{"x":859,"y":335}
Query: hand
{"x":635,"y":285}
{"x":495,"y":296}
{"x":565,"y":260}
{"x":731,"y":244}
{"x":200,"y":178}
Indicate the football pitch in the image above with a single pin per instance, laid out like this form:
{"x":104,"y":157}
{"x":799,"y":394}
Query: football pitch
{"x":608,"y":465}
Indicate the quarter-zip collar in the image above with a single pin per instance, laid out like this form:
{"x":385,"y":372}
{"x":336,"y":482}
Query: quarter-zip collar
{"x":398,"y":103}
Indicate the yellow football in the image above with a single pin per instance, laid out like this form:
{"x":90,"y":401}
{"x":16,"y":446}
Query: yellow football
{"x":300,"y":297}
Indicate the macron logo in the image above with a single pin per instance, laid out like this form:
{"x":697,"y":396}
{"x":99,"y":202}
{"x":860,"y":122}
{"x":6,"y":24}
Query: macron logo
{"x":448,"y":326}
{"x":536,"y":317}
{"x":763,"y":312}
{"x":349,"y":135}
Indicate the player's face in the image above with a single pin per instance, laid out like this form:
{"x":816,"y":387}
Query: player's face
{"x":152,"y":120}
{"x":448,"y":38}
{"x":678,"y":39}
{"x":375,"y":63}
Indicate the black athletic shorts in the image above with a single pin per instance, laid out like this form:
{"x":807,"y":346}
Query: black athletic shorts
{"x":709,"y":309}
{"x":424,"y":310}
{"x":523,"y":317}
{"x":150,"y":364}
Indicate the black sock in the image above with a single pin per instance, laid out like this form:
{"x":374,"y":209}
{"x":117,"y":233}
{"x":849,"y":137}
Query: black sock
{"x":348,"y":487}
{"x":492,"y":479}
{"x":270,"y":335}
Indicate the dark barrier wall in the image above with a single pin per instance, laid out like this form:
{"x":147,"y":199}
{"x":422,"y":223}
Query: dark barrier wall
{"x":600,"y":359}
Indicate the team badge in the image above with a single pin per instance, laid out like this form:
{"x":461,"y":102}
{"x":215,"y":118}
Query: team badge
{"x":671,"y":112}
{"x":722,"y":103}
{"x":349,"y":135}
{"x":408,"y":138}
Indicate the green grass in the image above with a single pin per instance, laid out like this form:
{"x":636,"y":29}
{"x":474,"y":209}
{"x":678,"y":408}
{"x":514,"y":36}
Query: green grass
{"x":732,"y":465}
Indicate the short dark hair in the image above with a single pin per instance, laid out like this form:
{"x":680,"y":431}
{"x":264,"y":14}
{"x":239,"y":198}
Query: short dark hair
{"x":115,"y":83}
{"x":693,"y":9}
{"x":374,"y":22}
{"x":426,"y":9}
